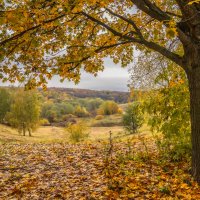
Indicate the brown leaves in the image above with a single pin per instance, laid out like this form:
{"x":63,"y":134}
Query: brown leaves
{"x":65,"y":171}
{"x":54,"y":171}
{"x":132,"y":175}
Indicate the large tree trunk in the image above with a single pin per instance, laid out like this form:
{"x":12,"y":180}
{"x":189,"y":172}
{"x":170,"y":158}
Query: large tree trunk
{"x":194,"y":86}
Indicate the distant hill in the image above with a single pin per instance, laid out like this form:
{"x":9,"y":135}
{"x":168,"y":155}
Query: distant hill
{"x":119,"y":97}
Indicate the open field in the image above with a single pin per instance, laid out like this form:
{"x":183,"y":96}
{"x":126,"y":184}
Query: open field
{"x":53,"y":134}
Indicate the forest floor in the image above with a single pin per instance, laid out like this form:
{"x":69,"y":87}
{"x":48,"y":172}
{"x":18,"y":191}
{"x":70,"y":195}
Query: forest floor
{"x":114,"y":169}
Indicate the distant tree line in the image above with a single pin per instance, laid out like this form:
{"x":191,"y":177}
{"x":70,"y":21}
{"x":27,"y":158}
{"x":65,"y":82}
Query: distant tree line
{"x":25,"y":110}
{"x":117,"y":96}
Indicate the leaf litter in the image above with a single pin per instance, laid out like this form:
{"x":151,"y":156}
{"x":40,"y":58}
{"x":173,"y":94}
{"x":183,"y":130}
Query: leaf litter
{"x":87,"y":172}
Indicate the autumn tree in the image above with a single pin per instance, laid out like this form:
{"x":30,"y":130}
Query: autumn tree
{"x":132,"y":118}
{"x":25,"y":112}
{"x":42,"y":38}
{"x":166,"y":103}
{"x":5,"y":102}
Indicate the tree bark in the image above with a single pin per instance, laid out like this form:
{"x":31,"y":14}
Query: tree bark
{"x":194,"y":87}
{"x":29,"y":131}
{"x":23,"y":129}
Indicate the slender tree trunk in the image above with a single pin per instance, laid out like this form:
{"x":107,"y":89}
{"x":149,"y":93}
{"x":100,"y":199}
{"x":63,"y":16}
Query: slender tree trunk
{"x":23,"y":129}
{"x":194,"y":86}
{"x":24,"y":132}
{"x":29,"y":131}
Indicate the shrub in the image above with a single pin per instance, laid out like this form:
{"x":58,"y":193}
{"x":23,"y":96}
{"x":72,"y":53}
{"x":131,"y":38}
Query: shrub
{"x":93,"y":104}
{"x":44,"y":122}
{"x":54,"y":112}
{"x":120,"y":111}
{"x":68,"y":117}
{"x":99,"y":117}
{"x":108,"y":108}
{"x":78,"y":132}
{"x":49,"y":111}
{"x":132,"y":118}
{"x":81,"y":111}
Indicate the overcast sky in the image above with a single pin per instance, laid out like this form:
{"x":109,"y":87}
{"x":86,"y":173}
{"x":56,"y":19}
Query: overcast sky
{"x":114,"y":77}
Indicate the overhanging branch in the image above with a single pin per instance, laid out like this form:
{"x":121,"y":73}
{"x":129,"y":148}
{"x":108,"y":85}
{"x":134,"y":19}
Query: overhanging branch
{"x":151,"y":45}
{"x":151,"y":9}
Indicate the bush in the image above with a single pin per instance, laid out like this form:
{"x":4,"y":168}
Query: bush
{"x":54,"y":112}
{"x":68,"y":117}
{"x":78,"y":132}
{"x":108,"y":108}
{"x":132,"y":118}
{"x":44,"y":122}
{"x":81,"y":112}
{"x":94,"y":104}
{"x":120,"y":111}
{"x":99,"y":117}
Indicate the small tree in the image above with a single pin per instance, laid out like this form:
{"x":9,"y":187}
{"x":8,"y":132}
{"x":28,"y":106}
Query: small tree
{"x":169,"y":113}
{"x":132,"y":118}
{"x":78,"y":132}
{"x":5,"y":101}
{"x":49,"y":111}
{"x":25,"y":112}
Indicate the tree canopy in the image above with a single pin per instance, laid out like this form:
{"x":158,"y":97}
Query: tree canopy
{"x":42,"y":38}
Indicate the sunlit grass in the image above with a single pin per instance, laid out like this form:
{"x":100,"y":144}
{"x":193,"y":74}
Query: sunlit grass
{"x":60,"y":135}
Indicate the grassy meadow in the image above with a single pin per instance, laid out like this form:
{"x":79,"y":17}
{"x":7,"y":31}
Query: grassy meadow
{"x":54,"y":134}
{"x":51,"y":134}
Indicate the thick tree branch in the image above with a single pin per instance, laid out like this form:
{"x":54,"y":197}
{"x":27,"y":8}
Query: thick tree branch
{"x":156,"y":47}
{"x":152,"y":10}
{"x":116,"y":33}
{"x":165,"y":52}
